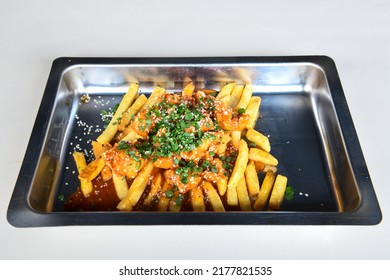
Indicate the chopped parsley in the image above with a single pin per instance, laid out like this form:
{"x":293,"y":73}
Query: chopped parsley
{"x":289,"y":194}
{"x":241,"y":111}
{"x":123,"y":145}
{"x":169,"y":194}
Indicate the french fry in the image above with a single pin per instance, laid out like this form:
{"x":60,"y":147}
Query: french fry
{"x":260,"y":166}
{"x":81,"y":164}
{"x":112,"y":127}
{"x":236,"y":137}
{"x":106,"y":173}
{"x":222,"y":185}
{"x":197,"y":200}
{"x":226,"y":91}
{"x":163,"y":202}
{"x":98,"y":150}
{"x":156,"y":186}
{"x":265,"y":191}
{"x":92,"y":170}
{"x":173,"y":207}
{"x":242,"y":194}
{"x":259,"y":139}
{"x":131,"y":136}
{"x":120,"y":184}
{"x":238,"y":171}
{"x":222,"y":147}
{"x":188,"y":89}
{"x":153,"y":98}
{"x":225,"y":100}
{"x":252,"y":181}
{"x":253,"y":111}
{"x":245,"y":97}
{"x":268,"y":167}
{"x":210,"y":91}
{"x":131,"y":111}
{"x":278,"y":191}
{"x":137,"y":188}
{"x":260,"y":155}
{"x":213,"y":196}
{"x":235,"y":96}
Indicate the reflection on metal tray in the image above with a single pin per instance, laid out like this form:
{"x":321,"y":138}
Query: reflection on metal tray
{"x":303,"y":110}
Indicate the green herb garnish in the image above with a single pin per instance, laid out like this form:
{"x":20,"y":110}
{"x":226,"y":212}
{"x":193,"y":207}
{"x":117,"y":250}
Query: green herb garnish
{"x":289,"y":194}
{"x":169,"y":194}
{"x":241,"y":110}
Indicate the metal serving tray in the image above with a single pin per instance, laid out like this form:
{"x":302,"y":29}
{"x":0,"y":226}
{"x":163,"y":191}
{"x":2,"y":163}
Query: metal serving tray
{"x":303,"y":110}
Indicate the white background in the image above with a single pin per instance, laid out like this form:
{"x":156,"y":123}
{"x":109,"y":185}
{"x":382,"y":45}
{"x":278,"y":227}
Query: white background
{"x":355,"y":34}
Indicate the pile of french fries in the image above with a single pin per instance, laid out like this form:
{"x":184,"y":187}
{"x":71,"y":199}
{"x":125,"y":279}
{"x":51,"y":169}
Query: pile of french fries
{"x":241,"y":190}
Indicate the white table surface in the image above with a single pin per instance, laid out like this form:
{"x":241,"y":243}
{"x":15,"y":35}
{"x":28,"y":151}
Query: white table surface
{"x":355,"y":34}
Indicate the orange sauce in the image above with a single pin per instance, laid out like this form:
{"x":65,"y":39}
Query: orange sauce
{"x":102,"y":198}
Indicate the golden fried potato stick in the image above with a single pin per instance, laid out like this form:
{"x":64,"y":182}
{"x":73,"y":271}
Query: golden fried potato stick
{"x":163,"y":202}
{"x":106,"y":173}
{"x":223,"y":145}
{"x":242,"y":194}
{"x":225,"y":91}
{"x":235,"y":96}
{"x":131,"y":111}
{"x":173,"y":207}
{"x":236,"y":137}
{"x":245,"y":97}
{"x":260,"y":155}
{"x":268,"y":167}
{"x":278,"y":191}
{"x":253,"y":111}
{"x":213,"y":197}
{"x":259,"y":166}
{"x":225,"y":100}
{"x":131,"y":136}
{"x":188,"y":90}
{"x":112,"y":127}
{"x":98,"y":151}
{"x":265,"y":191}
{"x":92,"y":170}
{"x":259,"y":139}
{"x":99,"y":148}
{"x":197,"y":200}
{"x":222,"y":185}
{"x":153,"y":98}
{"x":238,"y":172}
{"x":81,"y":164}
{"x":252,"y":181}
{"x":120,"y":184}
{"x":155,"y":188}
{"x":137,"y":188}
